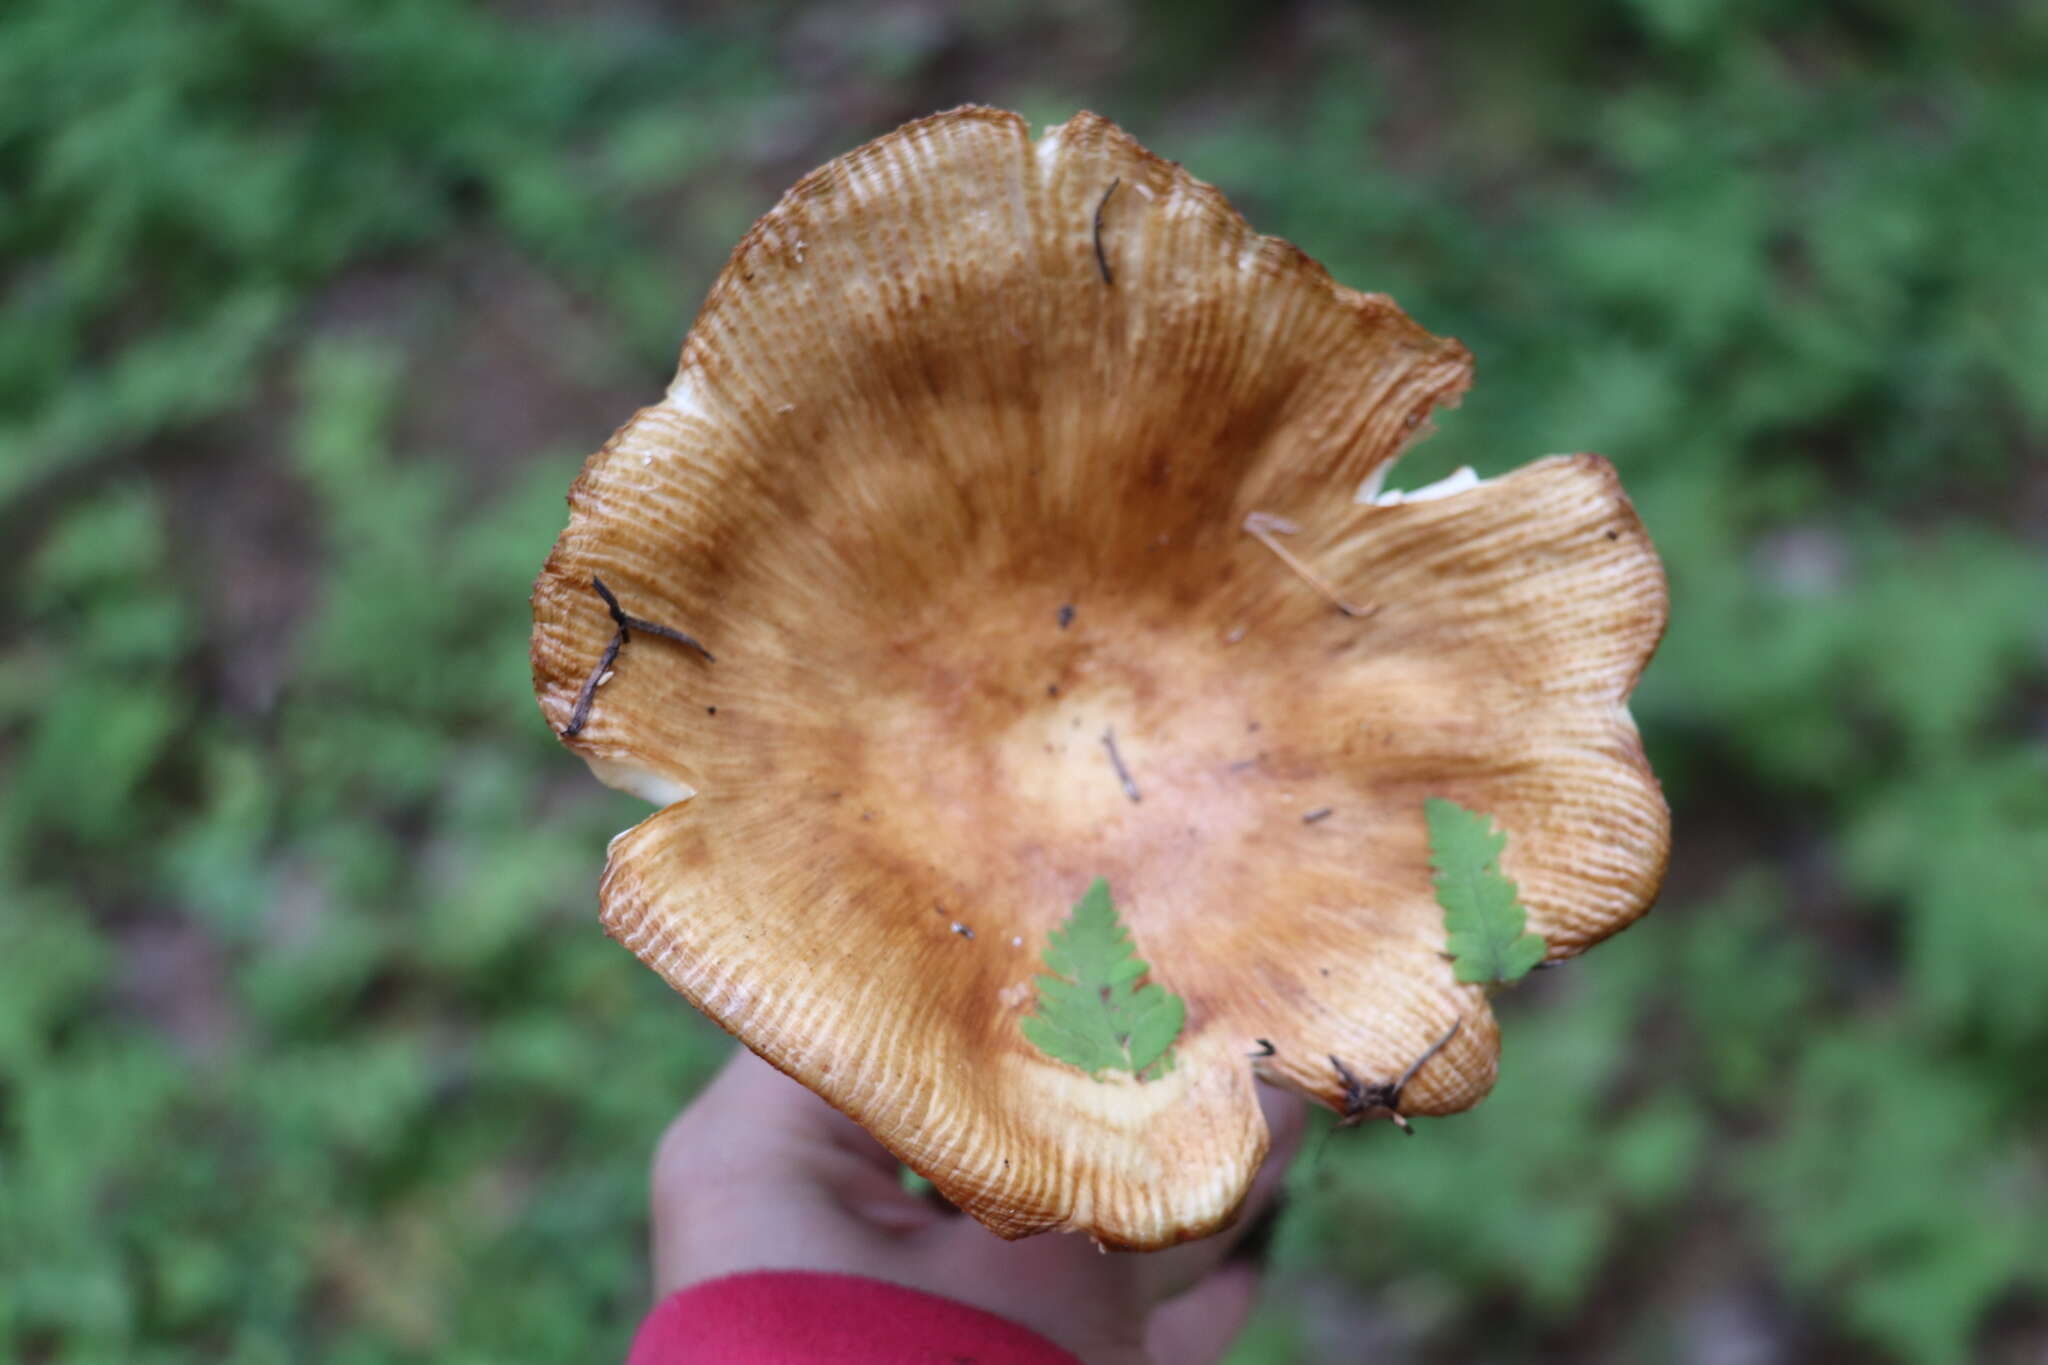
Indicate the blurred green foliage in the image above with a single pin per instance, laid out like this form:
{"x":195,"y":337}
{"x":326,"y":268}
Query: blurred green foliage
{"x":308,"y":311}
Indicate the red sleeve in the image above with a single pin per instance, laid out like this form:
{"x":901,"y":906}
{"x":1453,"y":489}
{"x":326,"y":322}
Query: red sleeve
{"x":807,"y":1317}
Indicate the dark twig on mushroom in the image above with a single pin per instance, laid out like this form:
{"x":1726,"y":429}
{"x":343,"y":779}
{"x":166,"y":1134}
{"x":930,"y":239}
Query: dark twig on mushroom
{"x":1116,"y":760}
{"x":590,"y":685}
{"x":1266,"y":1048}
{"x":1319,"y":813}
{"x":579,"y":717}
{"x":1262,"y":526}
{"x":647,"y":627}
{"x":1101,"y":259}
{"x":1362,"y":1100}
{"x":641,"y":623}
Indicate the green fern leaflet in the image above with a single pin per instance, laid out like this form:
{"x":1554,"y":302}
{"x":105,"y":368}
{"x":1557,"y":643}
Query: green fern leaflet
{"x":1487,"y":927}
{"x":1091,"y":1012}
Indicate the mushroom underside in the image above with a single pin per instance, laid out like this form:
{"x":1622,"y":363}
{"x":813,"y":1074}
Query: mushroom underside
{"x":1018,"y":574}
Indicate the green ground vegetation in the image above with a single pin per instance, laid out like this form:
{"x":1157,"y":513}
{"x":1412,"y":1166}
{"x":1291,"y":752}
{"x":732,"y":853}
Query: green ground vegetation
{"x":309,"y":1045}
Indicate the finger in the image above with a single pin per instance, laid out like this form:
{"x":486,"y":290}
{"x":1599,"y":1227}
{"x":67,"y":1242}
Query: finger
{"x":1286,"y":1121}
{"x":1198,"y":1327}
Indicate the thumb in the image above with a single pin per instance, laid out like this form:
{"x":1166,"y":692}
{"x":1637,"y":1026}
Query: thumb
{"x":1198,"y":1327}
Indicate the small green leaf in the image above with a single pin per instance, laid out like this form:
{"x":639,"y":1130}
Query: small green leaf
{"x":1091,"y":1014}
{"x":1485,"y":922}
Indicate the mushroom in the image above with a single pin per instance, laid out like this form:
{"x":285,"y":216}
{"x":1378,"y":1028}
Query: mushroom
{"x":956,"y":479}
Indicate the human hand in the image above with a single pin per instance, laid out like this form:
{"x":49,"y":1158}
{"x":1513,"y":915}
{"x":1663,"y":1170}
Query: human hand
{"x":760,"y":1174}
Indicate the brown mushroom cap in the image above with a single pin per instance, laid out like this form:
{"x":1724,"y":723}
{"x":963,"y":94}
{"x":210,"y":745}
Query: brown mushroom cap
{"x":917,"y":420}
